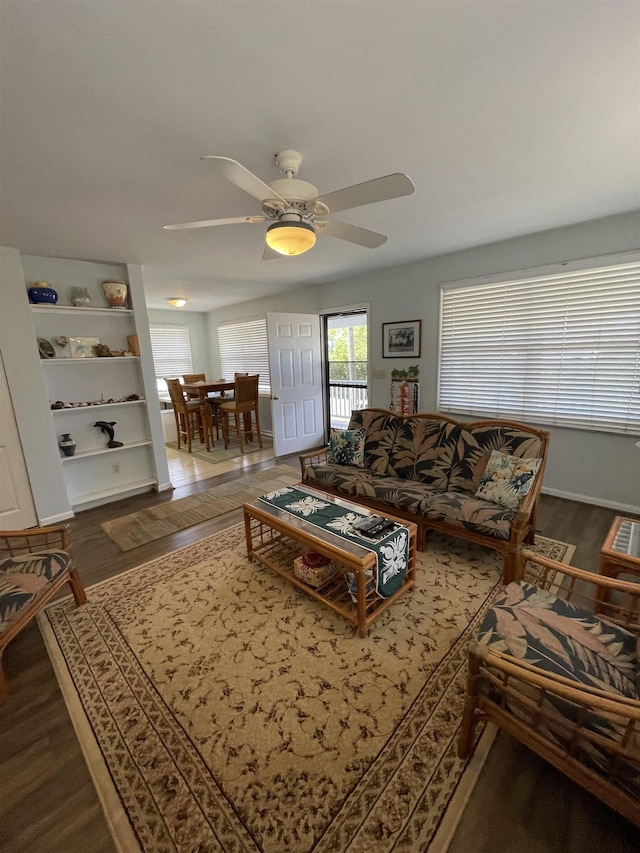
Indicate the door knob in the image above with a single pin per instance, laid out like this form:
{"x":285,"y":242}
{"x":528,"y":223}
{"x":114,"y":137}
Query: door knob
{"x":275,"y":397}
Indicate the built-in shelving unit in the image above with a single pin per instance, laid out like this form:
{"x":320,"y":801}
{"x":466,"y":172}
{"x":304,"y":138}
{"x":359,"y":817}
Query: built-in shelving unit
{"x":94,"y":474}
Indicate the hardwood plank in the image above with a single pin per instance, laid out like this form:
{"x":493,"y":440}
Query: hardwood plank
{"x":47,"y":798}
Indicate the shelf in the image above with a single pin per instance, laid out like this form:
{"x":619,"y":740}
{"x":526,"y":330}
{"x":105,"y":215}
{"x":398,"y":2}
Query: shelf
{"x":71,"y":309}
{"x":98,"y":406}
{"x":139,"y":485}
{"x":83,"y":454}
{"x":108,"y":359}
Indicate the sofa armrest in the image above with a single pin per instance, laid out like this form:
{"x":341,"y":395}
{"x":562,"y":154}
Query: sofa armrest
{"x":14,"y":542}
{"x":313,"y":457}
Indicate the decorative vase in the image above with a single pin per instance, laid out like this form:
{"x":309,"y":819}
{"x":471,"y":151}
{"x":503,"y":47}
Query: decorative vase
{"x":80,"y":297}
{"x":41,"y":293}
{"x":67,"y":445}
{"x":116,"y":293}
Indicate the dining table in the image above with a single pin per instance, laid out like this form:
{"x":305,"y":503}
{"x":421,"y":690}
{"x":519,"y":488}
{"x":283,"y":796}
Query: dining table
{"x":202,"y":389}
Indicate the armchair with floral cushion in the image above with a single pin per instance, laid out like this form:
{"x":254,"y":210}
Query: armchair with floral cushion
{"x":34,"y":565}
{"x":563,"y":679}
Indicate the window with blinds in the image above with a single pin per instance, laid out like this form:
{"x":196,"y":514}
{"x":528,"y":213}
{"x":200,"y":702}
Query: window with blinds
{"x":244,"y":349}
{"x":561,"y":347}
{"x":171,"y":348}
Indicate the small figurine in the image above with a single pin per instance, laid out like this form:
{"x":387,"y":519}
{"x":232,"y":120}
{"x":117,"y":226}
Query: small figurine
{"x":107,"y":429}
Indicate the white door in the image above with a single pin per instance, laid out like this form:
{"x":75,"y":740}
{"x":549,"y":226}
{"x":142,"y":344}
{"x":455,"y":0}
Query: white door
{"x":17,"y":511}
{"x":295,"y":367}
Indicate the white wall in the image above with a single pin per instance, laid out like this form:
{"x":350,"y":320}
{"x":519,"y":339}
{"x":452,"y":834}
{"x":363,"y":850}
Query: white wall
{"x":601,"y":468}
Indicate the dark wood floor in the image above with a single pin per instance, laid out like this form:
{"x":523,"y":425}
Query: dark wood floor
{"x":47,"y":799}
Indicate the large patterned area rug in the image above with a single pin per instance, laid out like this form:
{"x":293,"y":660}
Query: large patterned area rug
{"x":139,"y":528}
{"x":221,"y":709}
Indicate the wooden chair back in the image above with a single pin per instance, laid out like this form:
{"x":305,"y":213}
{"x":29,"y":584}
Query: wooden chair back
{"x":193,"y":377}
{"x":246,"y":392}
{"x":176,"y":393}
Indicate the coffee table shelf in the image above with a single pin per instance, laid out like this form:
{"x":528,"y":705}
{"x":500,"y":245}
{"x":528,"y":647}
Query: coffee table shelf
{"x":275,"y":538}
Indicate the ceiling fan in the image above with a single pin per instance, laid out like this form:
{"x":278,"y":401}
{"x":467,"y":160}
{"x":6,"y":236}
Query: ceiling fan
{"x":296,"y":211}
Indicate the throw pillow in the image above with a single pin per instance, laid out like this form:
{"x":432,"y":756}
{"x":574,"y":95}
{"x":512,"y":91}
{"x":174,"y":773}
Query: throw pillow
{"x":346,"y":447}
{"x":507,"y":479}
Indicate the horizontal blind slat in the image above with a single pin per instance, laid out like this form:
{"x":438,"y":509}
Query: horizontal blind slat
{"x":561,"y":348}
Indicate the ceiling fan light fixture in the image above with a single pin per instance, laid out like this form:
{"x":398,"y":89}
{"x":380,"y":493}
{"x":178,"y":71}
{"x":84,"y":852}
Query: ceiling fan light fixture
{"x":176,"y":301}
{"x":291,"y":238}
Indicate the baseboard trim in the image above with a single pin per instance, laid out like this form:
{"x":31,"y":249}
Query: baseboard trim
{"x":56,"y":519}
{"x":587,"y":499}
{"x":164,"y":487}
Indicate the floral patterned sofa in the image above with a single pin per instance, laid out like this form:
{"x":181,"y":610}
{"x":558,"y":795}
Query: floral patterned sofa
{"x":479,"y":481}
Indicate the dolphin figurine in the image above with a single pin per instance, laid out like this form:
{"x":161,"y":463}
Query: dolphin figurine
{"x":107,"y":429}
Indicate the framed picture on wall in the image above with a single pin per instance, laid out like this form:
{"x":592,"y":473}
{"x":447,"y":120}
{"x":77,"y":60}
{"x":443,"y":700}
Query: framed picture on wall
{"x":402,"y":339}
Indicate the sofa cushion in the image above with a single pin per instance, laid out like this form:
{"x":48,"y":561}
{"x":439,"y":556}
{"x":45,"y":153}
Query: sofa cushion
{"x":473,"y":446}
{"x":346,"y":447}
{"x":407,"y":495}
{"x":382,"y":429}
{"x":460,"y":509}
{"x":536,"y":626}
{"x":345,"y":479}
{"x":24,"y":577}
{"x":507,"y":479}
{"x":423,"y":452}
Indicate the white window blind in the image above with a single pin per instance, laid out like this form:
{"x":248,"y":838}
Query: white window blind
{"x":171,"y":348}
{"x":559,"y":348}
{"x":244,"y":349}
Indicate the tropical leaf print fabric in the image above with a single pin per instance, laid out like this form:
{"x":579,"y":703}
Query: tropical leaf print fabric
{"x":536,"y":626}
{"x":507,"y":479}
{"x":346,"y":447}
{"x":22,"y":577}
{"x":432,"y":467}
{"x":474,"y":445}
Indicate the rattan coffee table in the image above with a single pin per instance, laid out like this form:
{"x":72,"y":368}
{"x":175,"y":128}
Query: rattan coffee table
{"x":275,"y":538}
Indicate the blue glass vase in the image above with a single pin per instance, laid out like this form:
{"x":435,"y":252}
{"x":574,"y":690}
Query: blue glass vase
{"x":42,"y":293}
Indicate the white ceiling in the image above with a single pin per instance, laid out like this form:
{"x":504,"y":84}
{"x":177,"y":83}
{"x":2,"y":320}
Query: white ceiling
{"x":510,"y":117}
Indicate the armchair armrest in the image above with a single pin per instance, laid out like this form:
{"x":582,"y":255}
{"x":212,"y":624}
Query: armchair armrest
{"x":615,"y":600}
{"x":14,"y":542}
{"x":314,"y":456}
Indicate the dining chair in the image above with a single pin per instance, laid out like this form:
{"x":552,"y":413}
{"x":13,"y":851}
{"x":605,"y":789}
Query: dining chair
{"x":187,"y":378}
{"x":216,"y":400}
{"x":189,"y":421}
{"x":242,"y":408}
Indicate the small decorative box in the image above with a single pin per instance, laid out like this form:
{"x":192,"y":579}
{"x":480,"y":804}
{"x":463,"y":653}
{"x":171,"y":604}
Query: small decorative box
{"x":314,"y":568}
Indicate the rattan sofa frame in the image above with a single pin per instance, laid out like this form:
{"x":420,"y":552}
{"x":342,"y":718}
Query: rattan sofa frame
{"x":523,"y":526}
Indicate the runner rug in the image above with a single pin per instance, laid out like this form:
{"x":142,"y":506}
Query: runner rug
{"x":221,"y":709}
{"x":139,"y":528}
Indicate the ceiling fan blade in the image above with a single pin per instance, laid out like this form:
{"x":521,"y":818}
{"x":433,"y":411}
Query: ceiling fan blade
{"x":206,"y":223}
{"x":379,"y":189}
{"x":352,"y":233}
{"x":242,"y":177}
{"x":270,"y":254}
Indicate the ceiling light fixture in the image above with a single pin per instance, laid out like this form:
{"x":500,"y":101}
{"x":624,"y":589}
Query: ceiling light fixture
{"x":177,"y":301}
{"x":290,"y":238}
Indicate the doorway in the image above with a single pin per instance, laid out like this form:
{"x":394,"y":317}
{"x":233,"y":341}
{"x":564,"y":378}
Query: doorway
{"x":346,"y":365}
